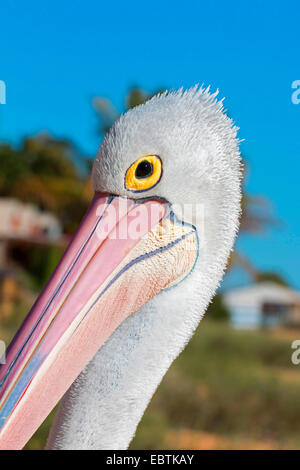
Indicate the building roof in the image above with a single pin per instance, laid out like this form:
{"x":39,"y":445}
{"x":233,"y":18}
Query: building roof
{"x":25,"y":221}
{"x":257,"y":294}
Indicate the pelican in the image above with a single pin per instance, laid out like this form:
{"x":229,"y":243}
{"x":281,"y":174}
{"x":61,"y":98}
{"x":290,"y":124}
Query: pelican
{"x":136,"y":279}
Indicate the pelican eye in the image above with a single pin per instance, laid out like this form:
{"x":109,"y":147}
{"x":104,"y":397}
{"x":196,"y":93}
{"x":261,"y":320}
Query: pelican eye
{"x":144,"y":169}
{"x":144,"y":173}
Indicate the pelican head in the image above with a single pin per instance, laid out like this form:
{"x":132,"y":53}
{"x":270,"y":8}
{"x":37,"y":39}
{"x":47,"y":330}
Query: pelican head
{"x":135,"y":280}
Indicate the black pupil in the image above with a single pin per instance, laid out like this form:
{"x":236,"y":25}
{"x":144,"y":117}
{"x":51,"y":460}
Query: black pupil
{"x":144,"y":169}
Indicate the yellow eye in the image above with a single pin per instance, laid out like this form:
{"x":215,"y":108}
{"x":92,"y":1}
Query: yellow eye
{"x":143,"y":174}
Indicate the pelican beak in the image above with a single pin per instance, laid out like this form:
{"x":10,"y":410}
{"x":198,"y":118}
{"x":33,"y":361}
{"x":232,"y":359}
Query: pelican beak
{"x":110,"y":269}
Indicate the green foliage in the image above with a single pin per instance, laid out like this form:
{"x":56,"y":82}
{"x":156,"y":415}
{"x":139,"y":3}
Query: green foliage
{"x":38,"y":440}
{"x":42,"y":171}
{"x":49,"y":157}
{"x":217,"y":310}
{"x":137,"y":96}
{"x":12,"y":168}
{"x":272,"y":277}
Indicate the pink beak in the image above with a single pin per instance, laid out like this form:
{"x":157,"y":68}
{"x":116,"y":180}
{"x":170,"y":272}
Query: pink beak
{"x":90,"y":293}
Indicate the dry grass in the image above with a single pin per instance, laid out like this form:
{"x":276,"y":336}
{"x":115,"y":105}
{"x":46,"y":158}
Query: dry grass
{"x":228,"y":390}
{"x":199,"y":440}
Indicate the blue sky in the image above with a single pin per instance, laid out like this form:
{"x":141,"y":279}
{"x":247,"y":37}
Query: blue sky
{"x":56,"y":55}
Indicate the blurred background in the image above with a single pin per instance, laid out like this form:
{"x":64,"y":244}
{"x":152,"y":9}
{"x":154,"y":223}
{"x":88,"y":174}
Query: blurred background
{"x":67,"y":71}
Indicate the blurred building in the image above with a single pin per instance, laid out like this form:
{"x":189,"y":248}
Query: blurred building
{"x":25,"y":221}
{"x":266,"y":304}
{"x":21,"y":223}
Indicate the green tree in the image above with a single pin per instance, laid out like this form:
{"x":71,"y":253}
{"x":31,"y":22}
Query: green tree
{"x":42,"y":171}
{"x":217,"y":310}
